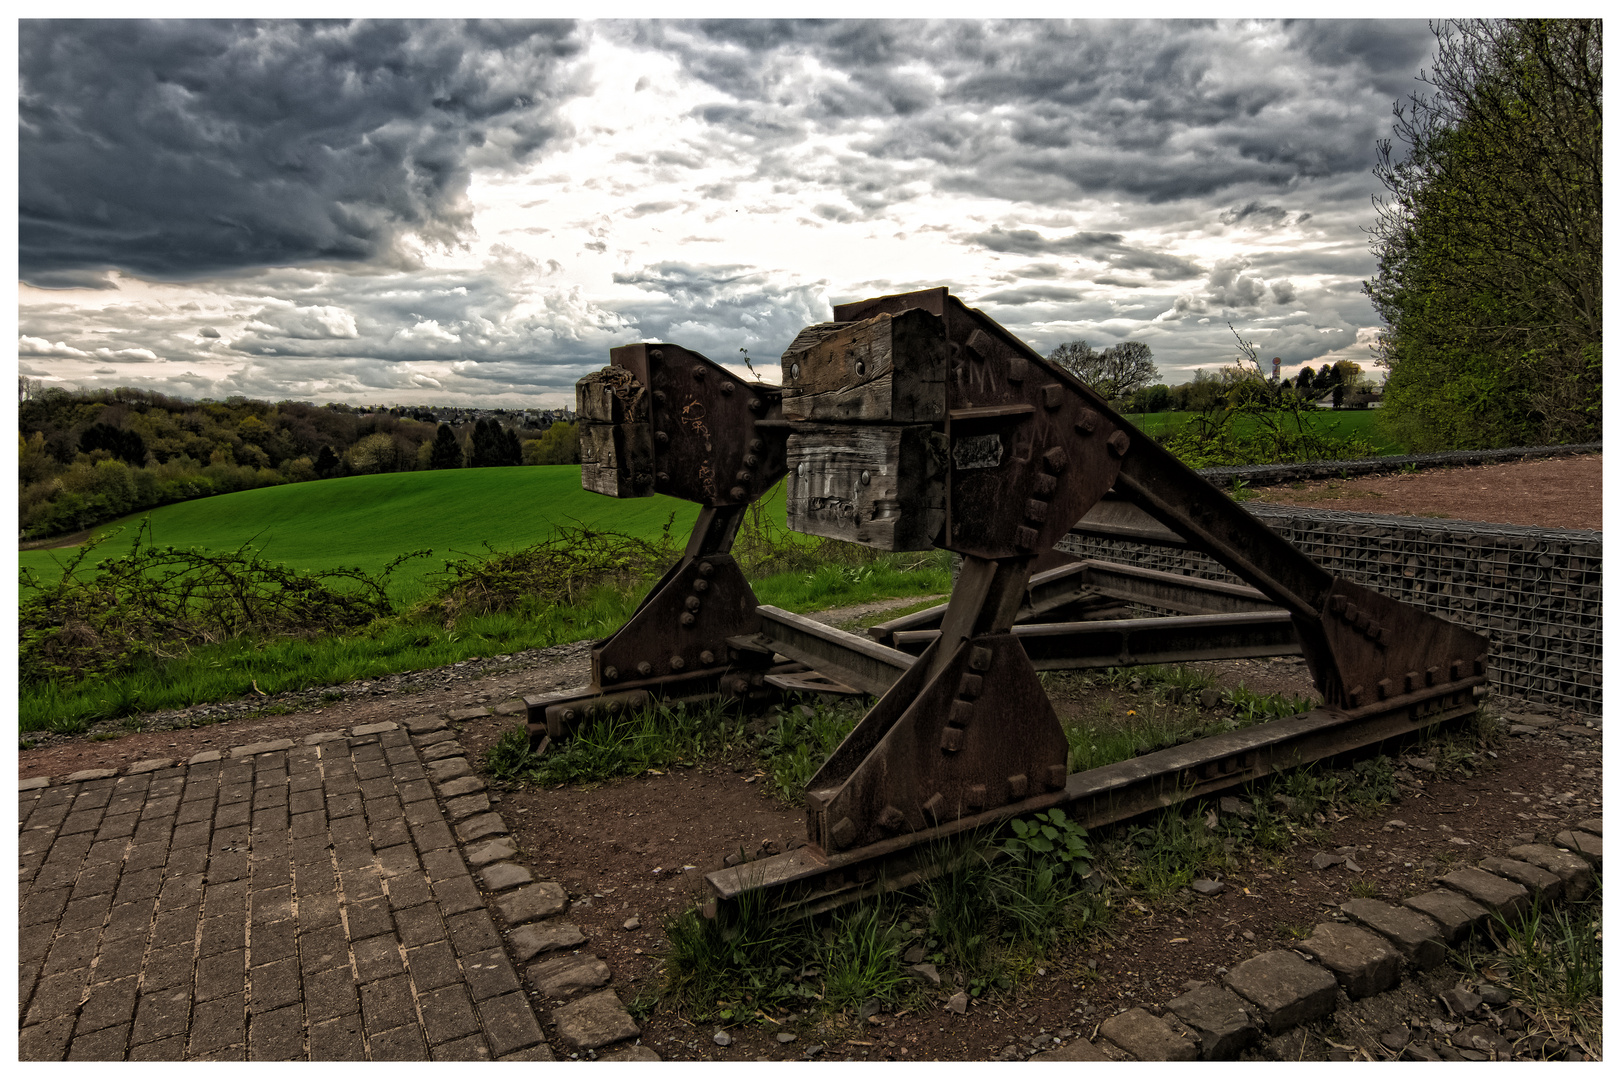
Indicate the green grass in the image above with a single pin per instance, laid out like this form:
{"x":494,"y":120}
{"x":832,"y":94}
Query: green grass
{"x":1346,"y":423}
{"x":365,"y":521}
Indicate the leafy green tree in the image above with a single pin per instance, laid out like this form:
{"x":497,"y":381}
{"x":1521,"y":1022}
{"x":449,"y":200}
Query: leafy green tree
{"x":1489,"y":241}
{"x":559,"y":445}
{"x":1117,"y":372}
{"x":447,"y":452}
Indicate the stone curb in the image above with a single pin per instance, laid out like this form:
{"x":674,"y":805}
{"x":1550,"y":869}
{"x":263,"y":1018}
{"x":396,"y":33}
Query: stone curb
{"x":1367,"y":953}
{"x":555,"y":969}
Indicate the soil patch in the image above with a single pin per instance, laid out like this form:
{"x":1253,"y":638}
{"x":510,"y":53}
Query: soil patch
{"x":1549,"y":493}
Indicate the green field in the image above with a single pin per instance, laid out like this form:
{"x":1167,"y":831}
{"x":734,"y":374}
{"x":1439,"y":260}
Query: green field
{"x":365,"y":521}
{"x":1345,"y":423}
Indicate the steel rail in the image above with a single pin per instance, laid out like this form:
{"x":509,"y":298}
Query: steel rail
{"x":805,"y":881}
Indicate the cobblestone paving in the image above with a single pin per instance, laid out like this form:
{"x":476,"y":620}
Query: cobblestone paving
{"x":286,"y":902}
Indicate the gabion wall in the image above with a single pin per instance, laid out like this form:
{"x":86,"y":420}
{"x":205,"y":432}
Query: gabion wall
{"x":1534,"y":592}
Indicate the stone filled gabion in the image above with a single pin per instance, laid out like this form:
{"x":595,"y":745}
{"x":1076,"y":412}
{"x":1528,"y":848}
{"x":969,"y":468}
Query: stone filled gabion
{"x":1536,"y":593}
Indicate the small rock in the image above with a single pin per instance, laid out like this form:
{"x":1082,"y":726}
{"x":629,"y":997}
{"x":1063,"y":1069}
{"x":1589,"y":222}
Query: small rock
{"x":786,"y":1037}
{"x":1323,"y":860}
{"x":722,"y":1039}
{"x":914,"y":955}
{"x":1421,"y":764}
{"x":1460,"y":1001}
{"x":1209,"y":697}
{"x":633,"y":923}
{"x":870,"y":1007}
{"x":1207,"y":887}
{"x":1495,"y":996}
{"x":1396,"y":823}
{"x":1396,"y":1037}
{"x":1241,"y":807}
{"x":925,"y":973}
{"x":958,"y":1002}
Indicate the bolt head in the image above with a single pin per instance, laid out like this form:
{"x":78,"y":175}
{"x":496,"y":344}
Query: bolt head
{"x":698,"y":372}
{"x":705,"y":569}
{"x":752,"y":461}
{"x":661,"y":437}
{"x":700,"y":585}
{"x":755,"y":404}
{"x":866,"y":477}
{"x":861,"y":367}
{"x":610,"y":674}
{"x":706,"y":658}
{"x":656,"y":354}
{"x":740,"y":493}
{"x":693,"y":604}
{"x":793,"y":371}
{"x":688,"y":618}
{"x":727,"y":387}
{"x":644,"y":669}
{"x":676,"y":663}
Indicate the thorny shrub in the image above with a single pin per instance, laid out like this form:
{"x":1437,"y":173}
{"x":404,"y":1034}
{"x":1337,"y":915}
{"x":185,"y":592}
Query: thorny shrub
{"x":156,"y":602}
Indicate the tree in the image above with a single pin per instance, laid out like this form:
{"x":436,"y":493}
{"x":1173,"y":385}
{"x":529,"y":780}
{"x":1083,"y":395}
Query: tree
{"x":1116,"y":373}
{"x":327,"y":462}
{"x":374,"y":454}
{"x":1489,"y":241}
{"x":447,"y":452}
{"x":559,"y":445}
{"x":124,"y":445}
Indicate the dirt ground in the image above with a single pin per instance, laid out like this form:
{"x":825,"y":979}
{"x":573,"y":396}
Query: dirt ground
{"x":637,"y":849}
{"x":1551,"y":493}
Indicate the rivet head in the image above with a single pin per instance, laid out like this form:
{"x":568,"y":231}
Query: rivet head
{"x":660,"y":397}
{"x":661,"y":437}
{"x":866,"y":477}
{"x":656,"y":354}
{"x":861,"y":367}
{"x":644,"y":669}
{"x":664,"y":478}
{"x":793,"y":371}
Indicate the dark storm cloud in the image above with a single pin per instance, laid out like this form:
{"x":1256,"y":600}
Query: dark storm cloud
{"x":1106,"y":247}
{"x":1156,"y":110}
{"x":179,"y":149}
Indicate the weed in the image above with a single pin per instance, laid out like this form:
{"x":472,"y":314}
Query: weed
{"x":1291,"y":930}
{"x":25,"y":744}
{"x":803,"y":737}
{"x":743,"y":960}
{"x":861,"y":958}
{"x":1366,"y":889}
{"x":605,"y":747}
{"x":1051,"y":841}
{"x":1252,"y":708}
{"x":1552,"y":958}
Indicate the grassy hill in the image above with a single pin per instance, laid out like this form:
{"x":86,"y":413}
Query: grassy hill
{"x":366,"y":521}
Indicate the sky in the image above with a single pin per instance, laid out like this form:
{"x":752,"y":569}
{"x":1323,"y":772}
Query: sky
{"x":474,"y":213}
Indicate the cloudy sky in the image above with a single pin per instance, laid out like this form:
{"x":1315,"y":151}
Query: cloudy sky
{"x":472,"y":213}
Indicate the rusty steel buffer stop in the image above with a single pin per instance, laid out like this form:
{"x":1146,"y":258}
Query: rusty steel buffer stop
{"x":910,"y":422}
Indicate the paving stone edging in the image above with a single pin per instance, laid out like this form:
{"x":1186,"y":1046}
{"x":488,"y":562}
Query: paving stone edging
{"x":457,"y":829}
{"x":1365,"y":954}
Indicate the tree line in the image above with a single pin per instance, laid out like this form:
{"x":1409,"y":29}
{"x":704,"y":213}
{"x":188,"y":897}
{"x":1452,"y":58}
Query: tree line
{"x":1489,"y":239}
{"x":85,"y":457}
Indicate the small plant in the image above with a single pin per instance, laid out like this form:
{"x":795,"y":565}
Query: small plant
{"x":803,"y":737}
{"x":861,"y":959}
{"x":1050,"y":840}
{"x":1366,"y":889}
{"x":1242,"y":492}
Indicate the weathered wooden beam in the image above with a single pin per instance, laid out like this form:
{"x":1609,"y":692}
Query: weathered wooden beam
{"x":888,"y":369}
{"x":617,"y":459}
{"x":878,"y":485}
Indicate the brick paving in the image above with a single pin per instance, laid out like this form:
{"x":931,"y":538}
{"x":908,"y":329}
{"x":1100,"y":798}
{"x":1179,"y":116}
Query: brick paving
{"x":283,"y":901}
